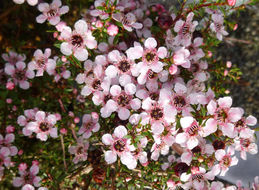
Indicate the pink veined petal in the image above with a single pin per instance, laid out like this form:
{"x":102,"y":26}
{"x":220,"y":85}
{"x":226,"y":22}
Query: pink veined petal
{"x":19,"y":1}
{"x":32,"y":126}
{"x":81,"y":27}
{"x":111,"y":106}
{"x":157,"y":67}
{"x":135,"y":104}
{"x":186,"y":121}
{"x":54,"y":20}
{"x":40,"y":116}
{"x":150,"y":43}
{"x":42,"y":136}
{"x":225,"y":102}
{"x":137,"y":25}
{"x":91,"y":43}
{"x":228,"y":130}
{"x":43,"y":7}
{"x":36,"y":182}
{"x":178,"y":25}
{"x":128,"y":160}
{"x":20,"y":65}
{"x":51,"y":65}
{"x":9,"y":138}
{"x":27,"y":187}
{"x":30,"y":74}
{"x":186,"y":157}
{"x":234,"y":114}
{"x":34,"y":169}
{"x":219,"y":154}
{"x":18,"y":181}
{"x":180,"y":88}
{"x":32,"y":65}
{"x":251,"y":120}
{"x":32,"y":2}
{"x":123,"y":113}
{"x":107,"y":139}
{"x":192,"y":142}
{"x":170,"y":113}
{"x":210,"y":127}
{"x":135,"y":52}
{"x":181,"y":138}
{"x":120,"y":131}
{"x":114,"y":56}
{"x":24,"y":85}
{"x":65,"y":48}
{"x":66,"y":32}
{"x":115,"y":90}
{"x":9,"y":69}
{"x":110,"y":157}
{"x":86,"y":91}
{"x":162,"y":52}
{"x":63,"y":10}
{"x":53,"y":132}
{"x":111,"y":71}
{"x":41,"y":18}
{"x":130,"y":89}
{"x":157,"y":128}
{"x":81,"y":54}
{"x":4,"y":151}
{"x":56,"y":3}
{"x":211,"y":107}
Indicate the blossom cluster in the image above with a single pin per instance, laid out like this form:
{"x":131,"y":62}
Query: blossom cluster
{"x":143,"y":99}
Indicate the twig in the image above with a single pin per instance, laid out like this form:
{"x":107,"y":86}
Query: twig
{"x":237,"y":40}
{"x":61,"y":105}
{"x":63,"y":149}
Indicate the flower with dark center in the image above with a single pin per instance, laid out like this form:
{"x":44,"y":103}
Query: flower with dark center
{"x":80,"y":150}
{"x":198,"y":177}
{"x":181,"y":168}
{"x":41,"y":62}
{"x":193,"y":130}
{"x":240,"y":123}
{"x":245,"y":142}
{"x":218,"y":144}
{"x":20,"y":75}
{"x":96,"y":84}
{"x":150,"y":57}
{"x":156,"y":113}
{"x":52,"y":13}
{"x":185,"y":29}
{"x":154,"y":96}
{"x":77,"y":40}
{"x":179,"y":101}
{"x":44,"y":127}
{"x":123,"y":100}
{"x":119,"y":145}
{"x":124,"y":66}
{"x":226,"y":160}
{"x":196,"y":149}
{"x":151,"y":74}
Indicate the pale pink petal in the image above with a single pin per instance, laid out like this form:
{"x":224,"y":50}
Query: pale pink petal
{"x":219,"y":154}
{"x":115,"y":90}
{"x":9,"y":69}
{"x":186,"y":157}
{"x":212,"y":106}
{"x":65,"y":48}
{"x":157,"y":128}
{"x":130,"y":89}
{"x":20,"y":65}
{"x":24,"y":85}
{"x":42,"y":136}
{"x":234,"y":114}
{"x":186,"y":121}
{"x":43,"y":7}
{"x":40,"y":116}
{"x":111,"y":71}
{"x":181,"y":138}
{"x":81,"y":54}
{"x":123,"y":113}
{"x":192,"y":142}
{"x":63,"y":10}
{"x":135,"y":104}
{"x":228,"y":130}
{"x":41,"y":18}
{"x":107,"y":139}
{"x":150,"y":43}
{"x":162,"y":52}
{"x":54,"y":20}
{"x":18,"y":181}
{"x":114,"y":56}
{"x":251,"y":120}
{"x":34,"y":169}
{"x":120,"y":131}
{"x":210,"y":127}
{"x":225,"y":102}
{"x":157,"y":67}
{"x":81,"y":27}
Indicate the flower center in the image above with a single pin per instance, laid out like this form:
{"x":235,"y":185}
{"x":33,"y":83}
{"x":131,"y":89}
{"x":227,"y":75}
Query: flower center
{"x":179,"y":101}
{"x":150,"y":56}
{"x":52,"y":13}
{"x":44,"y":127}
{"x":185,"y":29}
{"x":193,"y":130}
{"x":20,"y":75}
{"x":106,"y":98}
{"x":124,"y":66}
{"x":96,"y":84}
{"x":226,"y":161}
{"x":245,"y":142}
{"x":196,"y":149}
{"x":218,"y":26}
{"x":119,"y":145}
{"x":221,"y":115}
{"x":77,"y":40}
{"x":240,"y":123}
{"x":123,"y":100}
{"x":156,"y":113}
{"x":154,"y":96}
{"x":41,"y":62}
{"x":151,"y":74}
{"x":198,"y":177}
{"x":80,"y":150}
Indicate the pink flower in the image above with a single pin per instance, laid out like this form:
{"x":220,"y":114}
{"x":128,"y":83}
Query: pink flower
{"x":150,"y":58}
{"x":231,"y":2}
{"x":13,"y":57}
{"x":19,"y":74}
{"x":181,"y":57}
{"x":89,"y":125}
{"x":77,"y":40}
{"x":119,"y":146}
{"x":184,"y":30}
{"x":7,"y":143}
{"x":51,"y":12}
{"x":27,"y":177}
{"x":43,"y":125}
{"x":112,"y":30}
{"x":217,"y":26}
{"x":128,"y":21}
{"x":80,"y":150}
{"x":42,"y":62}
